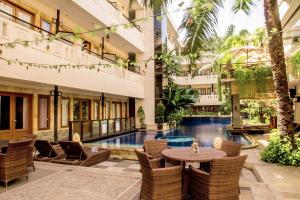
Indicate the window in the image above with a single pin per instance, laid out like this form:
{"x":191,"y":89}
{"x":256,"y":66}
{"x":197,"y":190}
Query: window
{"x":4,"y":112}
{"x":81,"y":109}
{"x":45,"y":25}
{"x":107,"y":107}
{"x":209,"y":91}
{"x":25,"y":16}
{"x":43,"y":105}
{"x":96,"y":110}
{"x":8,"y":9}
{"x":65,"y":103}
{"x":202,"y":91}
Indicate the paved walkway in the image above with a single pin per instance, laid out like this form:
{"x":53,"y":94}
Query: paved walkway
{"x":120,"y":179}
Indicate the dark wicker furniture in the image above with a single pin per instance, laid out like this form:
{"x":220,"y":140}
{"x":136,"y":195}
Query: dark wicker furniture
{"x":232,"y":149}
{"x":31,"y":150}
{"x":75,"y":154}
{"x":155,"y":147}
{"x":222,"y":183}
{"x":158,"y":182}
{"x":13,"y":164}
{"x":46,"y":151}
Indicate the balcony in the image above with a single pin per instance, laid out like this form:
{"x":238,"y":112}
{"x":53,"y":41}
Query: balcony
{"x":113,"y":79}
{"x":197,"y":80}
{"x":208,"y":100}
{"x":106,"y":13}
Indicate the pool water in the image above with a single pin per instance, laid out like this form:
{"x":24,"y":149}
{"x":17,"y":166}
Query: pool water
{"x":205,"y":129}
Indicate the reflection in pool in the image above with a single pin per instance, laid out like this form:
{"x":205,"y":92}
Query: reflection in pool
{"x":205,"y":129}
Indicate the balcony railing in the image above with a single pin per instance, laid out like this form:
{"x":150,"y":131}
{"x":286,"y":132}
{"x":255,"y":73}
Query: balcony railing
{"x":99,"y":129}
{"x":202,"y":79}
{"x":105,"y":56}
{"x":212,"y":99}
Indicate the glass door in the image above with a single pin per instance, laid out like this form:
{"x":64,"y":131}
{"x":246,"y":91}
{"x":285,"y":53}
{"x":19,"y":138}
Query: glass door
{"x":15,"y":116}
{"x":81,"y":109}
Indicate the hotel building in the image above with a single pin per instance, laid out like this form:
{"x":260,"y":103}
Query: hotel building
{"x":94,"y":101}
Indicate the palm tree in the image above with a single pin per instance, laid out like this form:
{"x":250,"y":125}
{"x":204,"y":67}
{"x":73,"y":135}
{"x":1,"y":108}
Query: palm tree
{"x":274,"y":30}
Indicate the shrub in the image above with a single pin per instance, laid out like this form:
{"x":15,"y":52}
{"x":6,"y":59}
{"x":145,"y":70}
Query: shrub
{"x":160,"y":112}
{"x":280,"y":151}
{"x":141,"y":114}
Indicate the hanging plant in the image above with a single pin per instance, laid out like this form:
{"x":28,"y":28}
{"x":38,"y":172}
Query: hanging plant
{"x":261,"y":74}
{"x":295,"y":61}
{"x":246,"y":76}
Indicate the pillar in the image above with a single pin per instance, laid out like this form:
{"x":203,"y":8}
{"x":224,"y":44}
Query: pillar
{"x":235,"y":102}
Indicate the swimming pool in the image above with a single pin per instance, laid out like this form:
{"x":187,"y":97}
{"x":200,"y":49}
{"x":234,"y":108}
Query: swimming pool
{"x":206,"y":129}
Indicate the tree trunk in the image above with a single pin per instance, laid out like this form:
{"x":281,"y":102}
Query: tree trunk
{"x":285,"y":109}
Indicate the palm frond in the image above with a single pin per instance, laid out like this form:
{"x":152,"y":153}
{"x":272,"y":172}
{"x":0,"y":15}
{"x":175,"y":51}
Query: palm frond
{"x":243,"y":5}
{"x":199,"y":23}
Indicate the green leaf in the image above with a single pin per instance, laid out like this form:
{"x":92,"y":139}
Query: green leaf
{"x":159,"y":18}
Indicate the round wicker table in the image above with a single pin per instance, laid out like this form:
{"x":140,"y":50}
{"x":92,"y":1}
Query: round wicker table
{"x":185,"y":154}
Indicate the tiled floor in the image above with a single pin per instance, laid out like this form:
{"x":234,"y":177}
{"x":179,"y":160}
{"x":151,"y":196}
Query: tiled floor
{"x":117,"y":165}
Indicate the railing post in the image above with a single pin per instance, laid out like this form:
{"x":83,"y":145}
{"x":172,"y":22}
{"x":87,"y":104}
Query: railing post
{"x":81,"y":130}
{"x":107,"y":127}
{"x":91,"y":130}
{"x":100,"y":127}
{"x":70,"y":131}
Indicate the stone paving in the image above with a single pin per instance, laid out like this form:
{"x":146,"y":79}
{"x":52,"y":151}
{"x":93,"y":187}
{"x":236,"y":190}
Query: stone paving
{"x":121,"y":179}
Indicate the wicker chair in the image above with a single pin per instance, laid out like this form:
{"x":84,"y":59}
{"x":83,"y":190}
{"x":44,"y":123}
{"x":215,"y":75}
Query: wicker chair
{"x":158,"y":182}
{"x":75,"y":154}
{"x":232,"y":149}
{"x":46,"y":151}
{"x":30,"y":162}
{"x":222,"y":183}
{"x":13,"y":164}
{"x":155,"y":147}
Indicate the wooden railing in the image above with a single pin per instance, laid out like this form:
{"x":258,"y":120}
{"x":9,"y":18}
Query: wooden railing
{"x":99,"y":129}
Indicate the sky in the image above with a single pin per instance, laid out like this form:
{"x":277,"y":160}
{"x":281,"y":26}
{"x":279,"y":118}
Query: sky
{"x":226,"y":16}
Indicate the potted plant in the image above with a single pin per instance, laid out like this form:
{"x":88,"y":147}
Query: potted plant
{"x":160,"y":115}
{"x":141,"y":116}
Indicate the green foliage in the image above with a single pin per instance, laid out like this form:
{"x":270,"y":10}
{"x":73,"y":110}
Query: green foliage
{"x":226,"y":107}
{"x":176,"y":117}
{"x":230,"y":31}
{"x":280,"y":151}
{"x":178,"y":99}
{"x":160,"y":112}
{"x":295,"y":61}
{"x":242,"y":5}
{"x":141,"y":114}
{"x":199,"y":23}
{"x":258,"y":111}
{"x":258,"y":75}
{"x":171,"y":64}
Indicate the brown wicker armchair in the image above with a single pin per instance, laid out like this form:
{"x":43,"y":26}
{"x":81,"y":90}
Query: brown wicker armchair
{"x":222,"y":183}
{"x":13,"y":164}
{"x":158,"y":182}
{"x":232,"y":149}
{"x":31,"y":150}
{"x":75,"y":154}
{"x":46,"y":151}
{"x":155,"y":147}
